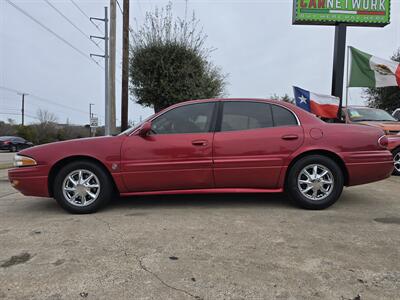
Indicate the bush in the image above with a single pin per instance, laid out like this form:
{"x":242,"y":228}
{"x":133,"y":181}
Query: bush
{"x":169,"y":62}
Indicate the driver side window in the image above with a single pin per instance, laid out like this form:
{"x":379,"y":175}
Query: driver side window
{"x":191,"y":118}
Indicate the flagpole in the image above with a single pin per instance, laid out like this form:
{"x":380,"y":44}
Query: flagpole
{"x":347,"y":72}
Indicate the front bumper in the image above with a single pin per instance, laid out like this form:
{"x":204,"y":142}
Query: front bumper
{"x":30,"y":181}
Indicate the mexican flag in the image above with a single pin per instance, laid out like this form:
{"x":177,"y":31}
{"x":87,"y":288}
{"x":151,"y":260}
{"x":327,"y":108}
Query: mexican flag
{"x":370,"y":71}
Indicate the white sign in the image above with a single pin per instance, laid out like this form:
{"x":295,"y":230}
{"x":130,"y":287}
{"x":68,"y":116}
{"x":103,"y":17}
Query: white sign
{"x":94,"y":122}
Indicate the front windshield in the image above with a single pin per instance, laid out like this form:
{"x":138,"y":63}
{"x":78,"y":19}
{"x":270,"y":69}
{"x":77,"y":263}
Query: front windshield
{"x":369,"y":114}
{"x":134,"y":127}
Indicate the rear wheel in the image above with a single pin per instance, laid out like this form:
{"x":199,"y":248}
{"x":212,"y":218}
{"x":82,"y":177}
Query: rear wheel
{"x":396,"y":160}
{"x":315,"y":182}
{"x":82,"y":187}
{"x":13,"y":148}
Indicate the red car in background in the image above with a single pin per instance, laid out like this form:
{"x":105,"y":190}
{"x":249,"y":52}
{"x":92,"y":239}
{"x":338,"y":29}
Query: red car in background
{"x":209,"y":146}
{"x":381,"y":119}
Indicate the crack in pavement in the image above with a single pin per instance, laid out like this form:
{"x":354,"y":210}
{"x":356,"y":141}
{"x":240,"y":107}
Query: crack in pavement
{"x":143,"y":267}
{"x":141,"y":264}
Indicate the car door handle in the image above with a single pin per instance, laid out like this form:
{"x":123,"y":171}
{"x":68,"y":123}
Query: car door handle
{"x":289,"y":137}
{"x":199,"y":143}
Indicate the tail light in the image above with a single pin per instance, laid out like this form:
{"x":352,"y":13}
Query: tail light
{"x":383,"y":142}
{"x":6,"y":142}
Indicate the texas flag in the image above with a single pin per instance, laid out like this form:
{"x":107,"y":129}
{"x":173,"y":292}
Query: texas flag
{"x":321,"y":105}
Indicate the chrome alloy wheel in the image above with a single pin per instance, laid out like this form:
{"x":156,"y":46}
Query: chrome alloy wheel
{"x":81,"y":187}
{"x":396,"y":160}
{"x":315,"y":182}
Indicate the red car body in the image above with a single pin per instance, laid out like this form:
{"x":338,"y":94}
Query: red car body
{"x":255,"y":160}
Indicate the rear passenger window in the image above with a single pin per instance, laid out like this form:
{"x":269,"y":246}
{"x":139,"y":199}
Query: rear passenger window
{"x":240,"y":115}
{"x":283,"y":117}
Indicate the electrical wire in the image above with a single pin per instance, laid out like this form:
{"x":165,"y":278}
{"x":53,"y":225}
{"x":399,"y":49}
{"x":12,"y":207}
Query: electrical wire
{"x":46,"y":100}
{"x":85,"y":14}
{"x":122,"y":12}
{"x":73,"y":24}
{"x":52,"y":32}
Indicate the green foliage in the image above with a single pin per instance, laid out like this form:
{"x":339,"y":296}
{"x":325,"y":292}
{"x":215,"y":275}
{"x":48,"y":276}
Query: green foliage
{"x":27,"y":132}
{"x":387,"y":98}
{"x":285,"y":98}
{"x":169,"y":62}
{"x":46,"y":130}
{"x":7,"y":129}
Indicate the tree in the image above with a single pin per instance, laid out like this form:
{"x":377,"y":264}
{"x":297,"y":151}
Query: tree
{"x":26,"y":132}
{"x":284,"y":98}
{"x":46,"y":117}
{"x":387,"y":98}
{"x":169,"y":62}
{"x":47,"y":128}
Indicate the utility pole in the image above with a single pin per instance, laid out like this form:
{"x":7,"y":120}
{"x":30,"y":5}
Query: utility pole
{"x":125,"y":67}
{"x":23,"y":107}
{"x":339,"y":54}
{"x":106,"y":58}
{"x":113,"y":33}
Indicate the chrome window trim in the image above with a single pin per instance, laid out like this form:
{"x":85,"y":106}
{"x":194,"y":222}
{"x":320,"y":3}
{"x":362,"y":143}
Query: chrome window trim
{"x":295,"y":115}
{"x":156,"y":116}
{"x":150,"y":119}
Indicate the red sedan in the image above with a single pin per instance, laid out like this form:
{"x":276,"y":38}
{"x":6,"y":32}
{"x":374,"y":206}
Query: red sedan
{"x":209,"y":146}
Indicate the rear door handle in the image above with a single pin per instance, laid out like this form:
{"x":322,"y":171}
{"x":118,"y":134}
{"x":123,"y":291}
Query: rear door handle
{"x":199,"y":143}
{"x":289,"y":137}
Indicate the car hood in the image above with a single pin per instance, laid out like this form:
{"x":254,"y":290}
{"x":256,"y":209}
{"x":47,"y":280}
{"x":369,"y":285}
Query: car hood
{"x":102,"y":148}
{"x":391,"y":126}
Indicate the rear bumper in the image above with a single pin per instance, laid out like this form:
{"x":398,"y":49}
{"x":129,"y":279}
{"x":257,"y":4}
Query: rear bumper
{"x":30,"y":181}
{"x":366,"y":167}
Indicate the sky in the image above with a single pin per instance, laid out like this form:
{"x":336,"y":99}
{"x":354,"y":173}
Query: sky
{"x":255,"y":44}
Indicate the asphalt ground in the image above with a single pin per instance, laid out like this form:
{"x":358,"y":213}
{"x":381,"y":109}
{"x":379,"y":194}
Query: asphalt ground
{"x":202,"y":247}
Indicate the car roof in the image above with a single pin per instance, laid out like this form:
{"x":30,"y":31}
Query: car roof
{"x":7,"y":137}
{"x":360,"y":106}
{"x":289,"y":105}
{"x":296,"y":110}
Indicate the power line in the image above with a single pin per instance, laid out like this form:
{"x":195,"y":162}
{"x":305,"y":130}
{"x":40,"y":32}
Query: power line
{"x":73,"y":24}
{"x":52,"y":32}
{"x":45,"y":100}
{"x":85,"y":14}
{"x":122,"y":12}
{"x":18,"y":114}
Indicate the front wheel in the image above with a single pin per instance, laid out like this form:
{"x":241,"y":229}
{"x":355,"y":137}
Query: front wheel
{"x":396,"y":160}
{"x":315,"y":182}
{"x":82,"y":187}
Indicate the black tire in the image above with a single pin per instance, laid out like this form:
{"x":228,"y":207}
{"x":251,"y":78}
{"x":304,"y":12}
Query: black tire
{"x":396,"y":158}
{"x":105,"y":183}
{"x":299,"y":198}
{"x":13,"y":148}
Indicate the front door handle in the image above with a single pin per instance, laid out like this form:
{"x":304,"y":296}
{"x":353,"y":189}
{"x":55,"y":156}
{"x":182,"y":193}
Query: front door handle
{"x":199,"y":143}
{"x":289,"y":137}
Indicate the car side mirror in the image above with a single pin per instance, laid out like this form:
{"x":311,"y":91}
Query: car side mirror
{"x":145,"y":129}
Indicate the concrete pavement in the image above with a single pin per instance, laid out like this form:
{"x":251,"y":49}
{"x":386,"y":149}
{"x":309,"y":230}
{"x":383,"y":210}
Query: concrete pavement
{"x":203,"y":247}
{"x":6,"y":158}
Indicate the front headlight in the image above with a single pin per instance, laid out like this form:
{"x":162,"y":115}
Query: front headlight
{"x":23,"y":161}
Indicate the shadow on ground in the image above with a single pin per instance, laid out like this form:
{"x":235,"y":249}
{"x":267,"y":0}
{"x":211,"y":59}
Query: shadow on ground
{"x":176,"y":201}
